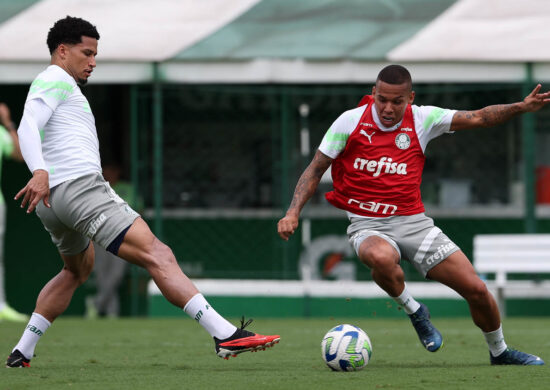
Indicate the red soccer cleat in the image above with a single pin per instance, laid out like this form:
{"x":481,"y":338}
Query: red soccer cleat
{"x":16,"y":359}
{"x":244,"y":341}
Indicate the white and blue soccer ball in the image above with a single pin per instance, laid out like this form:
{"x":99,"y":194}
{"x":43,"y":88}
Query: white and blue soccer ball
{"x":346,"y":348}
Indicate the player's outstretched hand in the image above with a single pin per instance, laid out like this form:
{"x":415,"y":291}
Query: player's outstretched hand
{"x":287,"y":226}
{"x":37,"y":189}
{"x":535,"y":100}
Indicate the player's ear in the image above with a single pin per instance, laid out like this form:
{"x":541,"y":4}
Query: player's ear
{"x":62,"y":51}
{"x":411,"y":97}
{"x":373,"y":90}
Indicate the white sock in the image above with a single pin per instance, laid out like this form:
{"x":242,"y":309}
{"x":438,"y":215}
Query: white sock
{"x":31,"y":335}
{"x":199,"y":309}
{"x":2,"y":304}
{"x":495,"y":341}
{"x":407,"y":302}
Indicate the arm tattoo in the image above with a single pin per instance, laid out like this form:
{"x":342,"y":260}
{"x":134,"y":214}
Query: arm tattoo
{"x":465,"y":115}
{"x":490,"y":115}
{"x":494,"y":115}
{"x":308,"y":182}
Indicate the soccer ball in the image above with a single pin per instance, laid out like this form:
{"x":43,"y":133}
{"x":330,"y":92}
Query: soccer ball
{"x":346,"y":348}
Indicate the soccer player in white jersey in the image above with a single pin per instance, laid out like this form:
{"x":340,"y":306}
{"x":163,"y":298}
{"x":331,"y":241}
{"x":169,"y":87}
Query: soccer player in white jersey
{"x":59,"y":143}
{"x":377,"y":155}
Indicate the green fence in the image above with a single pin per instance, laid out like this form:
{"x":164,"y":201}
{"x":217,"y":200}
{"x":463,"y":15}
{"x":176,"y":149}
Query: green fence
{"x":217,"y":164}
{"x":232,"y":155}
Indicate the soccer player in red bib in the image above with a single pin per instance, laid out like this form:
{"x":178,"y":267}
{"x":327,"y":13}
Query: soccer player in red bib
{"x":377,"y":155}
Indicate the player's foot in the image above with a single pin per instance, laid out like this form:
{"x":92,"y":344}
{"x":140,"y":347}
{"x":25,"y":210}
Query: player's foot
{"x":16,"y":359}
{"x":512,"y":356}
{"x":9,"y":314}
{"x":427,"y":333}
{"x":242,"y":341}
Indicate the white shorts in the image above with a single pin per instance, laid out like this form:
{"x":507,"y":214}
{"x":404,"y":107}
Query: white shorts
{"x":414,"y":237}
{"x":84,"y":209}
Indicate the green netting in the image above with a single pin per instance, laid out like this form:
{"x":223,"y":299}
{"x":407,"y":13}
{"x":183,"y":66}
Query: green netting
{"x":318,"y":29}
{"x":232,"y":158}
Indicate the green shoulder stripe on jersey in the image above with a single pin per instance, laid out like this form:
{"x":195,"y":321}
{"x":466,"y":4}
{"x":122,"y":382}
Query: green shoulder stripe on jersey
{"x":41,"y":134}
{"x":336,"y":137}
{"x":336,"y":141}
{"x":434,"y":117}
{"x":52,"y":85}
{"x":59,"y":90}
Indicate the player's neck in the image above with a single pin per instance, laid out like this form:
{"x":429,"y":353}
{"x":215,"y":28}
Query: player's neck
{"x":58,"y":62}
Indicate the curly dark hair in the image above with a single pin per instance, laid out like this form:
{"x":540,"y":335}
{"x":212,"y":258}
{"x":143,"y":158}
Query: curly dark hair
{"x":395,"y":74}
{"x":70,"y":31}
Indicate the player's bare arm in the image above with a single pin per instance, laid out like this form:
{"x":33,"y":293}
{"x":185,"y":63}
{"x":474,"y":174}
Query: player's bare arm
{"x":307,"y":184}
{"x":494,"y":115}
{"x":37,"y":189}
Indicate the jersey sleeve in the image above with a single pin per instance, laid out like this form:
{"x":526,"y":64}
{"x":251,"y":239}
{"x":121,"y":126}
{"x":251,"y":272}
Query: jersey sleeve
{"x":430,"y":122}
{"x":336,"y":137}
{"x":52,"y":87}
{"x":35,"y":116}
{"x":6,"y":142}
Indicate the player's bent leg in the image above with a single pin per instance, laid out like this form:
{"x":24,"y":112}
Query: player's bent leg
{"x":383,"y":260}
{"x":457,"y":272}
{"x":54,"y":298}
{"x":141,"y":247}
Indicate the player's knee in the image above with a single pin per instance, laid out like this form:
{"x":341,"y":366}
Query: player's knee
{"x":164,"y":254}
{"x":82,"y":272}
{"x":478,"y":293}
{"x":377,"y":258}
{"x":159,"y":255}
{"x":79,"y":267}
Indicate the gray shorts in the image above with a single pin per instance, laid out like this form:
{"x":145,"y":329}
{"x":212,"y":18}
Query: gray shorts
{"x":414,"y":237}
{"x":84,"y":209}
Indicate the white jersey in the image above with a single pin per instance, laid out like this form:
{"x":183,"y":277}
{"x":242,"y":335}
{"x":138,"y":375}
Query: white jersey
{"x":69,"y":139}
{"x":430,"y":122}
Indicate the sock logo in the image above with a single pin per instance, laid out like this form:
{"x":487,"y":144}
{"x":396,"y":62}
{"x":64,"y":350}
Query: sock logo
{"x":34,"y":329}
{"x":198,"y":316}
{"x":499,"y":341}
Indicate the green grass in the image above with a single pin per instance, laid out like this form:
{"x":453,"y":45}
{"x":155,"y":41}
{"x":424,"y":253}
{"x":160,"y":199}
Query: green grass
{"x":178,"y":354}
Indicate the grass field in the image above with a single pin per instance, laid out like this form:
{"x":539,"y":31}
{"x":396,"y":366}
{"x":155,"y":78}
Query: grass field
{"x":178,"y":354}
